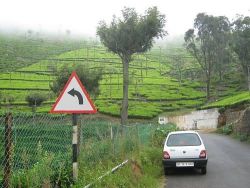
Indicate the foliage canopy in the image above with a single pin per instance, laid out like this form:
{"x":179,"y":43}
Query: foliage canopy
{"x":208,"y":42}
{"x":133,"y":33}
{"x":89,"y":77}
{"x":241,"y":43}
{"x":128,"y":35}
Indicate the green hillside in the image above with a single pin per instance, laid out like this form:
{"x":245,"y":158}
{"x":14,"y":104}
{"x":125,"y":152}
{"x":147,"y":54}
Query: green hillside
{"x":234,"y":100}
{"x":151,"y":90}
{"x":18,"y":51}
{"x":166,"y":79}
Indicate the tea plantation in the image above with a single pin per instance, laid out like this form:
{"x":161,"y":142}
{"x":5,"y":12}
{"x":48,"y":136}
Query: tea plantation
{"x":151,"y":91}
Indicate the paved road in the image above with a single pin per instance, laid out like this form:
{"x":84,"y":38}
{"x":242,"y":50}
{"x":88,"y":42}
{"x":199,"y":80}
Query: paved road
{"x":228,"y":166}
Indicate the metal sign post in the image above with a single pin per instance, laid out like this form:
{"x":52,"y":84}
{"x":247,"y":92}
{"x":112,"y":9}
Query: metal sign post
{"x":74,"y":146}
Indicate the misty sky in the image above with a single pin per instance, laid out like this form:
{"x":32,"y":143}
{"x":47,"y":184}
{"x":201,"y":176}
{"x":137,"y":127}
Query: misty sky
{"x":82,"y":16}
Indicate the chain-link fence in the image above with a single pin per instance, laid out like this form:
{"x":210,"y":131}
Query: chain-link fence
{"x":105,"y":145}
{"x":31,"y":144}
{"x":36,"y":150}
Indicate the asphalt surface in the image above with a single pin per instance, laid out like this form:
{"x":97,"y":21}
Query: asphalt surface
{"x":228,"y":166}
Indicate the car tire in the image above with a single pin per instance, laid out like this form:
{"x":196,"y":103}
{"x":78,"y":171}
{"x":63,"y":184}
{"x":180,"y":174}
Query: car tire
{"x":166,"y":171}
{"x":203,"y":170}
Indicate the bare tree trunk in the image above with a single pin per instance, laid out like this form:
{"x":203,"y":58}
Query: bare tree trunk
{"x":208,"y":75}
{"x":180,"y":74}
{"x":248,"y":77}
{"x":246,"y":71}
{"x":220,"y":75}
{"x":208,"y":89}
{"x":124,"y":110}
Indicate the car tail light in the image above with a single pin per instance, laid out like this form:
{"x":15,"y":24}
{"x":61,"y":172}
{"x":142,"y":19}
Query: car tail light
{"x":166,"y":155}
{"x":203,"y":154}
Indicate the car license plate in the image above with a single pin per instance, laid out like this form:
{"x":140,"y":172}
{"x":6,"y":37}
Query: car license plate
{"x":184,"y":164}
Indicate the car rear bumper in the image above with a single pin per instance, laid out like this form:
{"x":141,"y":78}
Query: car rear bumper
{"x":170,"y":163}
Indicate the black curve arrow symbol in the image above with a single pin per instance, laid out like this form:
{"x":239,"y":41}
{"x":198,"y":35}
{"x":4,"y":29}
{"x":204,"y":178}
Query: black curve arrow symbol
{"x":74,"y":92}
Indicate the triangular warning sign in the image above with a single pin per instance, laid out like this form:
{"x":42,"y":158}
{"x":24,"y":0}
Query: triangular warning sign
{"x":74,"y":98}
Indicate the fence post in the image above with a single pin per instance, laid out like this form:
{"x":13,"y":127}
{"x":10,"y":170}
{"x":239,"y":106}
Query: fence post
{"x":111,"y":132}
{"x":74,"y":147}
{"x":112,"y":139}
{"x":138,"y":136}
{"x":8,"y":150}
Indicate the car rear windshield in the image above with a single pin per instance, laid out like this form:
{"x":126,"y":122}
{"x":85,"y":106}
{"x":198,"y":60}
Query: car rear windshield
{"x":184,"y":139}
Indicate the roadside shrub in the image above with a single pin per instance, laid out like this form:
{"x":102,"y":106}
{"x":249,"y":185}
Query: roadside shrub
{"x":161,"y":132}
{"x":228,"y":129}
{"x":34,"y":100}
{"x":243,"y":137}
{"x":222,"y":110}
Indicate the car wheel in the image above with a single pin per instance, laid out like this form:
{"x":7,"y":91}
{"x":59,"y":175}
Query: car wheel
{"x":166,"y":171}
{"x":204,"y":170}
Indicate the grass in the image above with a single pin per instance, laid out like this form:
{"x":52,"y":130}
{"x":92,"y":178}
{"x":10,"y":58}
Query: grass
{"x":147,"y":173}
{"x":39,"y":145}
{"x":52,"y":134}
{"x":41,"y":149}
{"x":240,"y":98}
{"x":144,"y":168}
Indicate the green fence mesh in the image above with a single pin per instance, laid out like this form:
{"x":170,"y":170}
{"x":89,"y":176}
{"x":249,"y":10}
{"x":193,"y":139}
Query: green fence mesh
{"x":40,"y":153}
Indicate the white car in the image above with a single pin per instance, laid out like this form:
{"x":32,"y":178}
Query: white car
{"x":184,"y":149}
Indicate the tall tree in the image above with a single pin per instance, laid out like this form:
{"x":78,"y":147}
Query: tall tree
{"x":223,"y":53}
{"x":128,"y":35}
{"x":241,"y":44}
{"x":178,"y":65}
{"x":204,"y":42}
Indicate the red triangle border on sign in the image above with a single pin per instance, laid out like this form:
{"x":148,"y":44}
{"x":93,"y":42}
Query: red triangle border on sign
{"x":85,"y":93}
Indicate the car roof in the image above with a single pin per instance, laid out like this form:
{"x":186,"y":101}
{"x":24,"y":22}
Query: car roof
{"x":183,"y":132}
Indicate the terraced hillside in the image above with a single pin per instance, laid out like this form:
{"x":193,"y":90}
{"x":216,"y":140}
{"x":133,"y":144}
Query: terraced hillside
{"x":240,"y":98}
{"x":18,"y":51}
{"x":152,"y":89}
{"x":165,"y":79}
